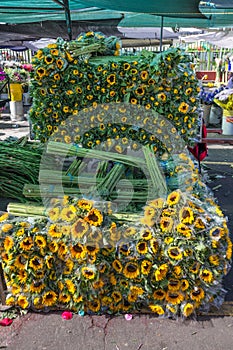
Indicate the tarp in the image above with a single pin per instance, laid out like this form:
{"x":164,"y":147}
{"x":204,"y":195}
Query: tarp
{"x":220,"y":39}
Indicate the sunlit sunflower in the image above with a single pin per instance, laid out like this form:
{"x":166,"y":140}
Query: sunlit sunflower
{"x":131,"y":270}
{"x":159,"y":294}
{"x":157,"y":309}
{"x":142,"y":247}
{"x":79,"y":228}
{"x":166,"y":224}
{"x":78,"y":251}
{"x":157,"y":203}
{"x":37,"y":287}
{"x":146,"y":234}
{"x":144,"y":75}
{"x":184,"y":284}
{"x":197,"y":294}
{"x":146,"y":267}
{"x":15,"y":289}
{"x":10,"y":301}
{"x":175,"y":253}
{"x":173,"y":284}
{"x":64,"y":298}
{"x":140,"y":91}
{"x":26,"y":244}
{"x":94,"y":217}
{"x":36,"y":263}
{"x":41,"y":71}
{"x":20,"y":261}
{"x":161,"y":272}
{"x":173,"y":198}
{"x":188,"y":309}
{"x":68,"y":213}
{"x":111,"y":79}
{"x":8,"y":243}
{"x":49,"y":298}
{"x":183,"y":107}
{"x":130,"y":231}
{"x":54,"y":231}
{"x":216,"y":232}
{"x":186,"y":215}
{"x":116,"y":264}
{"x":85,"y":204}
{"x":22,"y":301}
{"x":92,"y":249}
{"x":88,"y":272}
{"x":69,"y":265}
{"x":206,"y":276}
{"x":174,"y":297}
{"x":62,"y":250}
{"x":184,"y":230}
{"x":6,"y":227}
{"x":53,"y":246}
{"x":162,"y":97}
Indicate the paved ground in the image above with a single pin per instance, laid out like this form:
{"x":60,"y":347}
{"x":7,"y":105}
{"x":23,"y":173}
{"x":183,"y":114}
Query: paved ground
{"x":145,"y":332}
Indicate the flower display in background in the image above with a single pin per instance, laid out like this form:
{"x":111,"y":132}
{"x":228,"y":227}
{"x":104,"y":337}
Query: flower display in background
{"x":68,"y":77}
{"x":207,"y":97}
{"x":2,"y":74}
{"x":83,"y":258}
{"x":224,"y":99}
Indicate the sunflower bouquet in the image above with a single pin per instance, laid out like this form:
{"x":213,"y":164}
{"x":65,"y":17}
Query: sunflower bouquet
{"x":224,"y":99}
{"x":64,"y":84}
{"x":83,"y":257}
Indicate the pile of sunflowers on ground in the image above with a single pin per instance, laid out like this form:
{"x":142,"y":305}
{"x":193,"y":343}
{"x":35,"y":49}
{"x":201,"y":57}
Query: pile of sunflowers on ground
{"x":141,"y":231}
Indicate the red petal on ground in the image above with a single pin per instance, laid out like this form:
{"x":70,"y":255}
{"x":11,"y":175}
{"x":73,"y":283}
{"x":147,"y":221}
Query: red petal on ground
{"x":6,"y":322}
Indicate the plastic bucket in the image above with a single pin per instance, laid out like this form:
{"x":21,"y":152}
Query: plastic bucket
{"x":16,"y":92}
{"x":227,"y":122}
{"x":206,"y":113}
{"x":16,"y":109}
{"x":215,"y":115}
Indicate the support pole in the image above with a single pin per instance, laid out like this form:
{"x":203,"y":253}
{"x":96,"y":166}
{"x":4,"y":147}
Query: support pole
{"x":161,"y":35}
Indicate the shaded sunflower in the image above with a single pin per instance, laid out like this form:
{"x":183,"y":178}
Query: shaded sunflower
{"x":40,"y":241}
{"x":92,"y":249}
{"x":111,"y":79}
{"x":20,"y":261}
{"x":49,"y":298}
{"x":22,"y":276}
{"x":130,"y":231}
{"x":174,"y":298}
{"x":53,"y":246}
{"x":79,"y":228}
{"x":69,"y":265}
{"x":37,"y":287}
{"x":36,"y":263}
{"x":184,"y":230}
{"x":64,"y":298}
{"x":116,"y":264}
{"x":166,"y":224}
{"x":198,"y":223}
{"x":94,"y":305}
{"x":159,"y":294}
{"x":195,"y":267}
{"x":188,"y":309}
{"x":184,"y":284}
{"x":6,"y":227}
{"x":131,"y":270}
{"x":216,"y":232}
{"x":154,"y":244}
{"x":173,"y":284}
{"x":161,"y":272}
{"x":117,"y":296}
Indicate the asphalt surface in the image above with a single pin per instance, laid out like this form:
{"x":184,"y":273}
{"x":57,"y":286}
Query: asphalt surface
{"x":213,"y":331}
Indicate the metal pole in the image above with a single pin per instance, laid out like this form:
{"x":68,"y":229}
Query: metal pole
{"x":161,"y":35}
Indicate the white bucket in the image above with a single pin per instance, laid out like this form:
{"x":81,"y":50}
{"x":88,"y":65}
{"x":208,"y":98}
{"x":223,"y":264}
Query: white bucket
{"x":26,"y":99}
{"x":215,"y":115}
{"x":206,"y":113}
{"x":16,"y":109}
{"x":227,"y":122}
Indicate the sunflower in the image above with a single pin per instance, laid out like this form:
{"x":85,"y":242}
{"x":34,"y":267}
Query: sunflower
{"x":132,"y":298}
{"x":188,"y":309}
{"x":69,"y":267}
{"x":40,"y":241}
{"x":161,"y":272}
{"x":131,"y":270}
{"x":62,"y":250}
{"x":79,"y":228}
{"x":22,"y":276}
{"x":94,"y":217}
{"x":157,"y":203}
{"x":8,"y":243}
{"x":20,"y":261}
{"x":49,"y":298}
{"x":154,"y":244}
{"x":199,"y":223}
{"x":183,"y":107}
{"x":206,"y":276}
{"x":41,"y":71}
{"x":142,"y":247}
{"x":184,"y":230}
{"x":146,"y":267}
{"x":166,"y":224}
{"x":88,"y":272}
{"x":78,"y":251}
{"x":10,"y":301}
{"x":64,"y":298}
{"x":22,"y":302}
{"x":175,"y":253}
{"x":37,"y":287}
{"x":26,"y":243}
{"x":174,"y":297}
{"x":6,"y":227}
{"x":140,"y":91}
{"x":36,"y":263}
{"x":85,"y":204}
{"x":186,"y":215}
{"x":95,"y":235}
{"x":144,"y":75}
{"x":162,"y":97}
{"x":216,"y":232}
{"x":157,"y":309}
{"x":173,"y":198}
{"x":53,"y":246}
{"x":68,"y":214}
{"x":54,"y":231}
{"x":126,"y":66}
{"x":116,"y":264}
{"x":146,"y":234}
{"x":94,"y":305}
{"x":111,"y":79}
{"x":197,"y":294}
{"x":159,"y":294}
{"x":15,"y":289}
{"x":117,"y":296}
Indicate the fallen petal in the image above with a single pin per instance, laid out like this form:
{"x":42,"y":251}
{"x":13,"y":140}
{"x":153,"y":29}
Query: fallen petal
{"x":67,"y":315}
{"x":128,"y":317}
{"x":6,"y":322}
